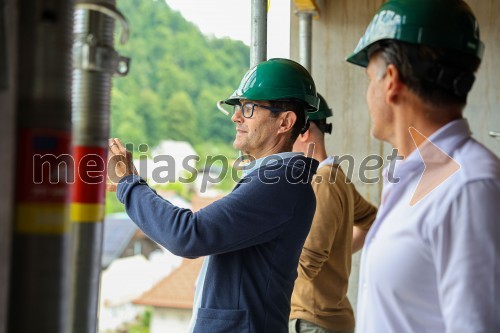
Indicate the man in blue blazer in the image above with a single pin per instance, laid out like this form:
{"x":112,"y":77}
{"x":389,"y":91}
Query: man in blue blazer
{"x":252,"y":237}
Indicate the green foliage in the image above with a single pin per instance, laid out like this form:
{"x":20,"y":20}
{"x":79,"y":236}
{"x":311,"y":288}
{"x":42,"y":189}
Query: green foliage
{"x":140,"y":325}
{"x":176,"y":77}
{"x":206,"y":149}
{"x":112,"y":204}
{"x":181,"y":119}
{"x":229,"y":182}
{"x":182,"y":189}
{"x":210,"y":152}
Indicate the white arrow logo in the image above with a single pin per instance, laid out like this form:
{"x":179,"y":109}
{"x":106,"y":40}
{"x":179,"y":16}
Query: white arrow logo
{"x":439,"y":166}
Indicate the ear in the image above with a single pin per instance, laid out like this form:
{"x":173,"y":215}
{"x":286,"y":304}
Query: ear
{"x":287,"y":119}
{"x":393,"y":84}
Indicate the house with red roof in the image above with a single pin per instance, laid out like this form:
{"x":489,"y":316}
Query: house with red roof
{"x":172,"y":298}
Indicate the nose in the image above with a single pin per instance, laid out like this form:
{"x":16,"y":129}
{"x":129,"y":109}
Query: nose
{"x":237,"y":117}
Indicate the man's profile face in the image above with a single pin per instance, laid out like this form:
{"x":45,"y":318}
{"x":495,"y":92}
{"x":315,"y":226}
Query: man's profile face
{"x":380,"y":112}
{"x":258,"y":134}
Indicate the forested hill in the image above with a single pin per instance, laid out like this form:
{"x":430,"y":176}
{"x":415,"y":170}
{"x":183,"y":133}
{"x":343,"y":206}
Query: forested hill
{"x":177,"y":74}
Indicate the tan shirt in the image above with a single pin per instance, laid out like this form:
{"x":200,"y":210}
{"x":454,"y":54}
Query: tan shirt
{"x":320,"y":293}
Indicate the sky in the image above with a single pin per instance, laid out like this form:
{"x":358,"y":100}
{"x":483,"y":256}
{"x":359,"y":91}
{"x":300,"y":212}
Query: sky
{"x":231,"y":18}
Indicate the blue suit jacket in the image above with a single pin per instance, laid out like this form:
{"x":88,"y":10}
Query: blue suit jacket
{"x":254,"y":236}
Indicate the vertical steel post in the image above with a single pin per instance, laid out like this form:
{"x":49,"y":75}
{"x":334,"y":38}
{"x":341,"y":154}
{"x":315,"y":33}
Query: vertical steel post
{"x":258,"y":36}
{"x":8,"y":33}
{"x":305,"y":39}
{"x":39,"y":290}
{"x":94,"y":64}
{"x":3,"y":46}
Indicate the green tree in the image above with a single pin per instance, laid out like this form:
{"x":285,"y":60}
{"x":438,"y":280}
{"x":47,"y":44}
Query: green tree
{"x":180,"y":116}
{"x":173,"y":68}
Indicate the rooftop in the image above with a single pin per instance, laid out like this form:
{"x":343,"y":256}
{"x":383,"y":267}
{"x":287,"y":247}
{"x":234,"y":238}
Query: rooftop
{"x":177,"y":289}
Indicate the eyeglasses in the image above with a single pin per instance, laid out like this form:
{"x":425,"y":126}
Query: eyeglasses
{"x":247,"y":109}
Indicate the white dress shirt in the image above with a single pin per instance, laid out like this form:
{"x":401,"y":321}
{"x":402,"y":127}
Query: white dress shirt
{"x":435,"y":266}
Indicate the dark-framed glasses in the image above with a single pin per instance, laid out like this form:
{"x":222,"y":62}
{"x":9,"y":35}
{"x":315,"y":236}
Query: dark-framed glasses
{"x":248,"y":108}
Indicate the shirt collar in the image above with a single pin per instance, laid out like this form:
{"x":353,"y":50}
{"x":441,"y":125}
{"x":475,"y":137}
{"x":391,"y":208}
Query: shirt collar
{"x":447,"y":138}
{"x":328,"y":161}
{"x":451,"y":135}
{"x":254,"y":165}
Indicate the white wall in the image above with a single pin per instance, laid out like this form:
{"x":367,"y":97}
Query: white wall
{"x":125,"y":280}
{"x":112,"y":318}
{"x":165,"y":320}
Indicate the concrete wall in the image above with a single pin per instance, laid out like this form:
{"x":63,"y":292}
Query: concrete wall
{"x":335,"y":34}
{"x":7,"y":155}
{"x":483,"y":110}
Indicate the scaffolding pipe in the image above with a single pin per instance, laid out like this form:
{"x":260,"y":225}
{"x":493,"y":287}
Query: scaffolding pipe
{"x":8,"y":49}
{"x":3,"y":46}
{"x":305,"y":39}
{"x":94,"y":63}
{"x":258,"y":47}
{"x":39,"y":288}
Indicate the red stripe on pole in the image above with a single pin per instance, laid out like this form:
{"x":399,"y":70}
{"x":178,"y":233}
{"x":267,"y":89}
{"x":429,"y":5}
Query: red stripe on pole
{"x":44,"y":166}
{"x":90,"y":174}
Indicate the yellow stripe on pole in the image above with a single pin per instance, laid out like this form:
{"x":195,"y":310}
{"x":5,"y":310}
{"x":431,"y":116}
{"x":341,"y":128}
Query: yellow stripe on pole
{"x":42,"y":218}
{"x":85,"y":213}
{"x":307,"y":6}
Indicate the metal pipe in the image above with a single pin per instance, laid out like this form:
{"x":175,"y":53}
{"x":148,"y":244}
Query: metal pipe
{"x":39,"y":290}
{"x":305,"y":39}
{"x":94,"y":63}
{"x":258,"y":36}
{"x":8,"y":148}
{"x":3,"y":46}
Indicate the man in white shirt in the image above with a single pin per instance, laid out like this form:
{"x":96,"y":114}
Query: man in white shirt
{"x":431,"y":259}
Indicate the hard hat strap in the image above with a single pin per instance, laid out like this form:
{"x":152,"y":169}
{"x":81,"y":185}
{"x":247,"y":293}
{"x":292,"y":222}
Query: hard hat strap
{"x":323,"y":126}
{"x":306,"y":125}
{"x":455,"y":80}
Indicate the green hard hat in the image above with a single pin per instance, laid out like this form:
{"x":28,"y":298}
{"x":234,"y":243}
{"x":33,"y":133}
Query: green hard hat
{"x":324,"y":111}
{"x":437,"y":23}
{"x":277,"y":79}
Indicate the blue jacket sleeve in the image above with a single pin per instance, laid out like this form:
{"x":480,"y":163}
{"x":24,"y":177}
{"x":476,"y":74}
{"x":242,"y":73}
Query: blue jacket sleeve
{"x":253,"y":213}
